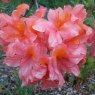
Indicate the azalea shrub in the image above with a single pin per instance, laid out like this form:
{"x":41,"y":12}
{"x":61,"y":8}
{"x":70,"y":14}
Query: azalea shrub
{"x":46,"y":45}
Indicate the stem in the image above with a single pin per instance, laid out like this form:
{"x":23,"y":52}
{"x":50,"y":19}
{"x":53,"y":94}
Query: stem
{"x":36,"y":3}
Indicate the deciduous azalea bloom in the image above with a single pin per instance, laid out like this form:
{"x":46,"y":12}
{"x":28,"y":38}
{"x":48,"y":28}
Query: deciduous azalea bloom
{"x":43,"y":49}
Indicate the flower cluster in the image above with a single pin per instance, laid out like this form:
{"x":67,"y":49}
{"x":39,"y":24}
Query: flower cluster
{"x":43,"y":49}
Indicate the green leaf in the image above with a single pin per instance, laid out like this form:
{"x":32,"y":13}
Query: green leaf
{"x":90,"y":60}
{"x":90,"y":21}
{"x":88,"y":3}
{"x":89,"y":66}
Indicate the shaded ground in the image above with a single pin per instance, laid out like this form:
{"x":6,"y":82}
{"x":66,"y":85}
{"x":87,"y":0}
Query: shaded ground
{"x":11,"y":85}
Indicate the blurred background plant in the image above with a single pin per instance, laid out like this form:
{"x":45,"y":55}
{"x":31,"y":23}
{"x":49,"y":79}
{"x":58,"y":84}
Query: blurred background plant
{"x":89,"y":5}
{"x":90,"y":20}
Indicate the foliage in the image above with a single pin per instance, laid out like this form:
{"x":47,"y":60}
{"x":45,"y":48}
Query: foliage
{"x":89,"y":66}
{"x":22,"y":91}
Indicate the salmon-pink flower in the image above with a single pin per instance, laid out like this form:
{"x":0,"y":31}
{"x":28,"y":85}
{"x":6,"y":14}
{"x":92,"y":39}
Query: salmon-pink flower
{"x":62,"y":27}
{"x":20,"y":11}
{"x":40,"y":12}
{"x":35,"y":22}
{"x":30,"y":58}
{"x":78,"y":13}
{"x":16,"y":30}
{"x":64,"y":60}
{"x":13,"y":27}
